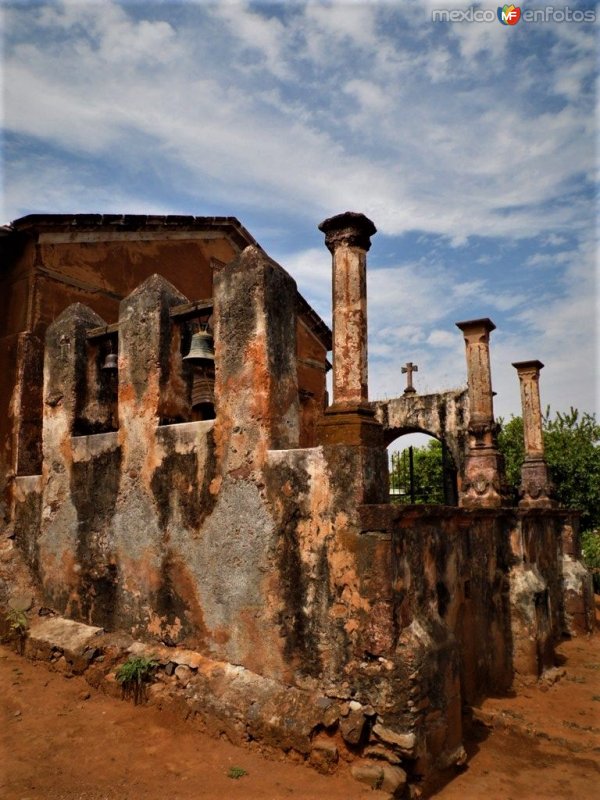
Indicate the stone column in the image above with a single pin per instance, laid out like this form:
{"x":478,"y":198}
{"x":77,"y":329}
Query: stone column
{"x":348,"y":238}
{"x":350,"y":420}
{"x":145,"y":372}
{"x":482,"y":486}
{"x":535,"y":483}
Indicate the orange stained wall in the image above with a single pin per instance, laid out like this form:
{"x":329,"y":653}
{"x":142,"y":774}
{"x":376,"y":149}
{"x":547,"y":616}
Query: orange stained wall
{"x":312,"y":360}
{"x":41,"y":275}
{"x":100,"y":273}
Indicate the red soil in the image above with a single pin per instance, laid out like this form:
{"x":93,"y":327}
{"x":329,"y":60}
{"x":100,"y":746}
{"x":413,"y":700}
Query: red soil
{"x":60,"y":740}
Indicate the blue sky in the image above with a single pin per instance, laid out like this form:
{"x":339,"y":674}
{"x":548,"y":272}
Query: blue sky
{"x":472,"y":146}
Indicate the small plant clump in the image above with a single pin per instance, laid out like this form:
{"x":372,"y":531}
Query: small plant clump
{"x":17,"y":626}
{"x":133,"y":676}
{"x":236,"y":772}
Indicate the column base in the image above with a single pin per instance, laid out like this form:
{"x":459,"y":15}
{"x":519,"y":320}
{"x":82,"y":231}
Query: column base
{"x":482,"y":486}
{"x":350,"y":425}
{"x":536,"y":488}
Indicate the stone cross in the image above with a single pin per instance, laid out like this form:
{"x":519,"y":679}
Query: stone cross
{"x":408,"y":371}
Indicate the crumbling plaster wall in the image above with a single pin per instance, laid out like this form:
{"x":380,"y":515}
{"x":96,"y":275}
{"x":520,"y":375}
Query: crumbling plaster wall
{"x":225,"y":535}
{"x":53,"y":261}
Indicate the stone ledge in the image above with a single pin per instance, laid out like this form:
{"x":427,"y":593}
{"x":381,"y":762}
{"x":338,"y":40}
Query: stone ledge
{"x":227,"y":699}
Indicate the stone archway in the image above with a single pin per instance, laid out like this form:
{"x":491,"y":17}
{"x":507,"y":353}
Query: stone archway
{"x":445,"y":416}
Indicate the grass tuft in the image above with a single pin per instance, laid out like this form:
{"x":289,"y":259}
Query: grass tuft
{"x":18,"y":626}
{"x":236,"y":772}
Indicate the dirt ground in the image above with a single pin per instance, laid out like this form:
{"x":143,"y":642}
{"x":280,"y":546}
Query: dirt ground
{"x":61,"y":740}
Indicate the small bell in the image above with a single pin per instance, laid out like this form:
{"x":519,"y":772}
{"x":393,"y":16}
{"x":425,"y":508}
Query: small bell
{"x":111,"y":361}
{"x":201,"y":348}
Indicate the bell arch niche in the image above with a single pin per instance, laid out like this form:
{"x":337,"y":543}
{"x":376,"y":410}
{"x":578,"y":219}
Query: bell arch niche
{"x":97,"y":405}
{"x":193,"y":346}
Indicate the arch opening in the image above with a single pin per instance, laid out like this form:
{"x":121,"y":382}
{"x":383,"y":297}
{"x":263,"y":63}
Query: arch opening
{"x":422,"y":470}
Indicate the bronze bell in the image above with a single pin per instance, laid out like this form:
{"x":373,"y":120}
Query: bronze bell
{"x":111,"y":361}
{"x":203,"y":390}
{"x":201,"y":348}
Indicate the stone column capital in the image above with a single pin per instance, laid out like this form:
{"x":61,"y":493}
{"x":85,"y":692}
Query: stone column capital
{"x":350,"y":228}
{"x":528,"y":368}
{"x":476,"y":328}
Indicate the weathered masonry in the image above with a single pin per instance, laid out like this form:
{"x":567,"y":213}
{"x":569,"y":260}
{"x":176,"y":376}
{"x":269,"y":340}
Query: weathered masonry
{"x":218,"y":504}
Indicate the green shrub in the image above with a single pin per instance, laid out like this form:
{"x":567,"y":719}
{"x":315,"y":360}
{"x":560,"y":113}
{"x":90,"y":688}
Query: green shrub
{"x":18,"y":626}
{"x":17,"y":622}
{"x":133,"y":676}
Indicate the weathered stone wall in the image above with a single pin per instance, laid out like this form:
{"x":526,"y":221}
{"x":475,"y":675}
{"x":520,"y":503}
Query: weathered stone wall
{"x":165,"y":529}
{"x":444,"y":612}
{"x":49,"y":262}
{"x":21,"y":360}
{"x":227,"y":537}
{"x":312,"y":386}
{"x":577,"y":585}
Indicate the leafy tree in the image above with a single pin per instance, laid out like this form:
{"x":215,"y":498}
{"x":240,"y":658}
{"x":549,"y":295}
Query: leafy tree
{"x":512,"y":447}
{"x":572,"y":451}
{"x":427,"y":474}
{"x":590,"y":550}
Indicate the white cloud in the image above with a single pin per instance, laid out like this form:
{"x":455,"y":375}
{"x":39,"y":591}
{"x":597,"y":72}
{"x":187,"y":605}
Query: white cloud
{"x":256,"y":32}
{"x":549,"y":259}
{"x":121,"y":78}
{"x":441,"y":338}
{"x":311,"y":269}
{"x":345,"y":22}
{"x":300,"y":111}
{"x":475,"y":39}
{"x":562,"y":332}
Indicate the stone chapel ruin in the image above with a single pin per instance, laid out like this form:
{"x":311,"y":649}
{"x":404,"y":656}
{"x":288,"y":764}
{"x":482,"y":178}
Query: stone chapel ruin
{"x":219,"y":513}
